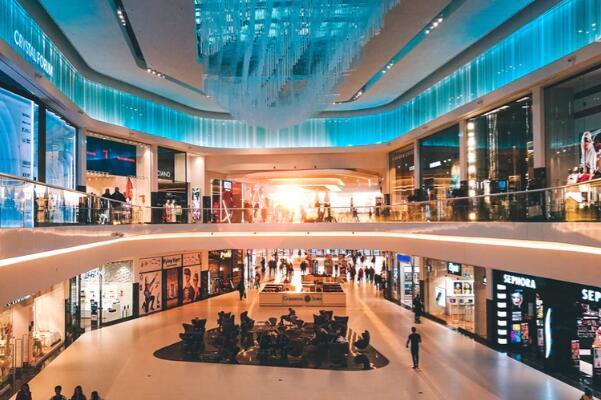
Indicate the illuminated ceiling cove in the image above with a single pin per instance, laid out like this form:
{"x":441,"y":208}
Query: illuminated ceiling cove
{"x":277,"y":63}
{"x":568,"y":26}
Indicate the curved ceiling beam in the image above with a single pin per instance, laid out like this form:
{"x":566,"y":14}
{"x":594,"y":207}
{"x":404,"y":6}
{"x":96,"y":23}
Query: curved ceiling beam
{"x":27,"y":274}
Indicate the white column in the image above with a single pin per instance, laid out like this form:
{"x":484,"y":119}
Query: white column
{"x":463,"y":150}
{"x":417,"y":165}
{"x":80,"y":174}
{"x":154,"y":166}
{"x":538,"y":127}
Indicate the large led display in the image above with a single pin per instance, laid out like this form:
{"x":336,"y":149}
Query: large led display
{"x":114,"y":158}
{"x":17,"y":129}
{"x":60,"y":151}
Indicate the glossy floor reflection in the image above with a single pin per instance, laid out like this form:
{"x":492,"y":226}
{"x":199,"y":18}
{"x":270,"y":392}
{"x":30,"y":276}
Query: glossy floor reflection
{"x":118,"y":361}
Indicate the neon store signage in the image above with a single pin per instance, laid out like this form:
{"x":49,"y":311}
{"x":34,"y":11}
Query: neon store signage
{"x":33,"y":54}
{"x":591,"y":295}
{"x":519,"y":281}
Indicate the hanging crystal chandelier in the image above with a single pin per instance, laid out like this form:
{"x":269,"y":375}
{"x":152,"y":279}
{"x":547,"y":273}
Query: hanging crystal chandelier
{"x":276,"y":63}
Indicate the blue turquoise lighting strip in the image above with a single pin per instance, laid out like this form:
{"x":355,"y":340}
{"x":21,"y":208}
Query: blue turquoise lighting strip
{"x":567,"y":27}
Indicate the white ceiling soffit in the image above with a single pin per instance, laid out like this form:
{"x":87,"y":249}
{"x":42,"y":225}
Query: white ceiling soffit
{"x":401,"y":24}
{"x":169,"y":46}
{"x":93,"y":29}
{"x":165,"y":32}
{"x":465,"y":26}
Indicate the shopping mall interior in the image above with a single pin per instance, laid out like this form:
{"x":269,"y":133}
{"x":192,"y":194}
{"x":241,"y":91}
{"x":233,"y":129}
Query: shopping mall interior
{"x":389,"y":199}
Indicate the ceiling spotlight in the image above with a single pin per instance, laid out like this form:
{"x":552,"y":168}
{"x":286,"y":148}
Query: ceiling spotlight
{"x":440,"y":19}
{"x":427,"y":31}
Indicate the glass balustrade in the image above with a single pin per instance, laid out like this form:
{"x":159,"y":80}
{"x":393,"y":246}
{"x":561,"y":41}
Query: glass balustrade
{"x":27,"y":204}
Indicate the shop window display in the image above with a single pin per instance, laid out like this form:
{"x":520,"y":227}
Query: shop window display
{"x":107,"y":293}
{"x":450,"y":293}
{"x":554,"y":325}
{"x":402,"y":174}
{"x":500,"y":149}
{"x":439,"y":161}
{"x":32,"y":329}
{"x":573,"y":130}
{"x":115,"y":163}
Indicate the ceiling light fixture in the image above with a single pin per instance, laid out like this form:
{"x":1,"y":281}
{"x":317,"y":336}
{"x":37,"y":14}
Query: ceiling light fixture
{"x":276,"y":64}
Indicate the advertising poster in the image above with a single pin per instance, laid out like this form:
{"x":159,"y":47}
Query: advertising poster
{"x":190,"y":284}
{"x":172,"y":288}
{"x":16,"y":141}
{"x":150,"y":292}
{"x":149,"y":264}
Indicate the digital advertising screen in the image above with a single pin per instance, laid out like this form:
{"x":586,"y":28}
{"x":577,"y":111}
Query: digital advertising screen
{"x":17,"y":125}
{"x":114,"y":158}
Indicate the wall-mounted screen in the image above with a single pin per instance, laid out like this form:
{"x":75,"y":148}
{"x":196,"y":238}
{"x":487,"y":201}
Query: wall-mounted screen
{"x":60,"y":151}
{"x":114,"y":158}
{"x":18,"y":131}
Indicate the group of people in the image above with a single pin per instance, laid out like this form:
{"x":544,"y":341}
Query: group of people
{"x":25,"y":394}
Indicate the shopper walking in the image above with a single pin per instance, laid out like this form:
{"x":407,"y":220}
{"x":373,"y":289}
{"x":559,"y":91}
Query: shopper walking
{"x":588,"y":394}
{"x":58,"y":389}
{"x":95,"y":396}
{"x":78,"y":394}
{"x":417,"y":308}
{"x":241,"y":289}
{"x":24,"y":393}
{"x":415,"y":340}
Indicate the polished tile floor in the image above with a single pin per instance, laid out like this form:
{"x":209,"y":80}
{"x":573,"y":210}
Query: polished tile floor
{"x":118,"y":361}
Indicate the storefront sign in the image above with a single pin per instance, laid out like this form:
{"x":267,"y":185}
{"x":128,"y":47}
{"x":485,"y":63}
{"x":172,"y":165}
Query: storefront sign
{"x":191,"y":259}
{"x":150,"y":264}
{"x":172,"y":261}
{"x":33,"y":54}
{"x":519,"y":281}
{"x":302,"y":298}
{"x":454,"y":268}
{"x":165,"y":174}
{"x":591,"y":295}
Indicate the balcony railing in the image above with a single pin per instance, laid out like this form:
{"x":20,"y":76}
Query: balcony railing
{"x":25,"y":204}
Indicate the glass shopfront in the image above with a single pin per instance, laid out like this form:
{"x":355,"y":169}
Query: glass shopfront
{"x":404,"y":279}
{"x":32,"y":331}
{"x":500,"y":150}
{"x":552,"y":324}
{"x":172,"y":196}
{"x":106,"y":294}
{"x":36,"y":144}
{"x":225,"y":270}
{"x":573,"y":129}
{"x":114,"y":163}
{"x":402,"y":174}
{"x":439,"y":162}
{"x":227,"y":201}
{"x":455,"y":293}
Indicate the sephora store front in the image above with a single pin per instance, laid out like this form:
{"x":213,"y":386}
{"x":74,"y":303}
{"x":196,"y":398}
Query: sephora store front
{"x":551,"y":325}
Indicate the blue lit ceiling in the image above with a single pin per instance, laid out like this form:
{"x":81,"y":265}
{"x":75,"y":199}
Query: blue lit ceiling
{"x":275,"y":64}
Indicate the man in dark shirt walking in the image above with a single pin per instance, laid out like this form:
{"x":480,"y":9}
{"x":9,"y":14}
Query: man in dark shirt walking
{"x":415,"y":339}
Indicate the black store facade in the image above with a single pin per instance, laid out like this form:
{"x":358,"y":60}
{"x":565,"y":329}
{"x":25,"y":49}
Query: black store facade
{"x":552,"y":325}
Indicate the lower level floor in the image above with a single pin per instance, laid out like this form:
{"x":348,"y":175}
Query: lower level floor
{"x":118,"y":361}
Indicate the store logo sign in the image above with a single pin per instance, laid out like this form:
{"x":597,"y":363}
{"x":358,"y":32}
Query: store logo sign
{"x":33,"y":54}
{"x":591,"y":295}
{"x":164,"y":174}
{"x":519,"y":281}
